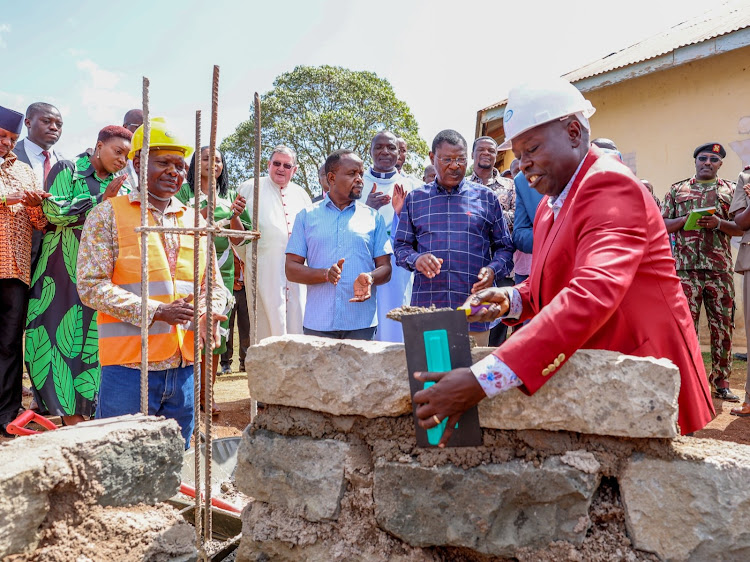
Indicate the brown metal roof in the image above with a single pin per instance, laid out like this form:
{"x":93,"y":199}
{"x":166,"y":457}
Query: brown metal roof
{"x":726,"y":18}
{"x":721,"y":20}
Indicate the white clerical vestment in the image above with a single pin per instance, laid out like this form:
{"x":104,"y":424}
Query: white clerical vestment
{"x":397,"y":292}
{"x":281,"y":304}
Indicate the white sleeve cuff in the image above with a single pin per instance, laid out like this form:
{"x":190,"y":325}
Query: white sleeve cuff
{"x":494,"y":376}
{"x":516,"y":305}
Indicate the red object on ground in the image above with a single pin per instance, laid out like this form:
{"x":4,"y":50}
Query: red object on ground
{"x":188,"y":490}
{"x":18,"y":425}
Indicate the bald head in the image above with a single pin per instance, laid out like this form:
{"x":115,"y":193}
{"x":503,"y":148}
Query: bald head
{"x":133,"y":119}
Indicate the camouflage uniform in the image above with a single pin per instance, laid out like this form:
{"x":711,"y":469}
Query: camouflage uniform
{"x":739,"y":202}
{"x":704,"y":265}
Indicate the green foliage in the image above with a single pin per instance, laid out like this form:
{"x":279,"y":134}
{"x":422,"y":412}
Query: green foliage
{"x":38,"y":355}
{"x":40,"y":305}
{"x":70,"y":252}
{"x":49,"y":245}
{"x":69,"y":333}
{"x":63,"y":380}
{"x":316,"y":110}
{"x":87,"y":383}
{"x":90,"y":353}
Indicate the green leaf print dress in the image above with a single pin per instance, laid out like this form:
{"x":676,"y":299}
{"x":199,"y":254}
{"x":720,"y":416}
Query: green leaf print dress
{"x":62,"y":351}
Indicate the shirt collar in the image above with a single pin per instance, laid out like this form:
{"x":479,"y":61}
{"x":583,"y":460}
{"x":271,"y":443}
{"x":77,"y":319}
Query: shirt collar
{"x":556,"y":203}
{"x":383,"y":175}
{"x":32,"y":147}
{"x":8,"y":161}
{"x":174,"y":206}
{"x":332,"y":205}
{"x":493,"y":179}
{"x":456,"y":189}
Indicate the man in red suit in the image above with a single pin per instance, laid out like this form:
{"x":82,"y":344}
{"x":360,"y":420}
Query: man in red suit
{"x":602,"y":275}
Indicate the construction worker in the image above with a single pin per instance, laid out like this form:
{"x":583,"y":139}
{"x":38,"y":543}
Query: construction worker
{"x":109,"y":280}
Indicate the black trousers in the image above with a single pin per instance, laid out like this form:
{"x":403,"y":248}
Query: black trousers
{"x":243,"y":326}
{"x":14,"y":298}
{"x":499,"y":333}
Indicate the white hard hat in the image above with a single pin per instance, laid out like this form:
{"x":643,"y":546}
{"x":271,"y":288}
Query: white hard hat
{"x":533,"y":104}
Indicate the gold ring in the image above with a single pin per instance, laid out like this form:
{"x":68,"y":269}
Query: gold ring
{"x":436,"y":419}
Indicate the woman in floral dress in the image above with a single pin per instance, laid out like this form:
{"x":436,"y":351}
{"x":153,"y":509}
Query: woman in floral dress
{"x":62,"y":348}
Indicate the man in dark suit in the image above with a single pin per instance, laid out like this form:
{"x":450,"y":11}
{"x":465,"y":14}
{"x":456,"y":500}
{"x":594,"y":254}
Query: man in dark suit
{"x":44,"y":128}
{"x":602,"y":277}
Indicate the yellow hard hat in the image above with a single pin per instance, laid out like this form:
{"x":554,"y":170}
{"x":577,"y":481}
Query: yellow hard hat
{"x":161,"y":137}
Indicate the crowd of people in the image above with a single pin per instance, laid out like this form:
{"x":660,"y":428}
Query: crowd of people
{"x":539,"y":247}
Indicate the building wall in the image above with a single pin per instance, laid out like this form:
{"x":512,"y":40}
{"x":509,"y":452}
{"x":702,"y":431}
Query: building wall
{"x":657,"y":120}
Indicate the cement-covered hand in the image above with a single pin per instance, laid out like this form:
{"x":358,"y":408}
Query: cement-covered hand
{"x":453,"y":393}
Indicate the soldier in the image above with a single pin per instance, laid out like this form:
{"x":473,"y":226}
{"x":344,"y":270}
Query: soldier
{"x":740,"y":210}
{"x":704,"y":257}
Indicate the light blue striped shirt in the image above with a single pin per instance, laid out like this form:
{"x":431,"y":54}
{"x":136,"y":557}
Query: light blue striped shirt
{"x":323,"y":234}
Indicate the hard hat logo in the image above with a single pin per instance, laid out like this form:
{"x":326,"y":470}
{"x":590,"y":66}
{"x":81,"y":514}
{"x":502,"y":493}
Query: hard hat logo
{"x":533,"y":104}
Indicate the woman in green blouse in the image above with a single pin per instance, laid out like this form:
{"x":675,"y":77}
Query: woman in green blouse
{"x":62,"y":348}
{"x":230,"y":206}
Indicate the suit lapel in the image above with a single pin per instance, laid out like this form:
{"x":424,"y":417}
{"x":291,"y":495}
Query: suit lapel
{"x":549,"y":227}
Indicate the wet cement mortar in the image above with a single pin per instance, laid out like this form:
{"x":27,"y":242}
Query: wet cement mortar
{"x":276,"y":533}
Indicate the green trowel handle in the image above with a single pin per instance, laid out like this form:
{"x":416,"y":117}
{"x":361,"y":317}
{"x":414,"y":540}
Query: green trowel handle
{"x":438,"y":361}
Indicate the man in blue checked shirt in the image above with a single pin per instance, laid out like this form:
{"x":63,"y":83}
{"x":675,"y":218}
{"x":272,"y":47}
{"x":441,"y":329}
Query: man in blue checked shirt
{"x":453,"y":234}
{"x":348,"y":251}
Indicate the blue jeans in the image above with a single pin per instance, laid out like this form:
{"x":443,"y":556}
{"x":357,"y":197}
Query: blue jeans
{"x":361,"y":334}
{"x":170,"y":394}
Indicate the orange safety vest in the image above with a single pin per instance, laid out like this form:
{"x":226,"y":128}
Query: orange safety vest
{"x":120,"y":342}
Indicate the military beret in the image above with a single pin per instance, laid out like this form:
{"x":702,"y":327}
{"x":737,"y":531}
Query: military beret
{"x":714,"y":147}
{"x":10,"y":120}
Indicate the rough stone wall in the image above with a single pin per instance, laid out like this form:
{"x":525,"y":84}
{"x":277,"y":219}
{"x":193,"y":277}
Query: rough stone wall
{"x":65,"y":486}
{"x":335,"y":485}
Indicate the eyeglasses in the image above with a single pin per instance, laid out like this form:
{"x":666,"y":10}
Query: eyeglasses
{"x":713,"y":159}
{"x":287,"y":165}
{"x":448,"y":161}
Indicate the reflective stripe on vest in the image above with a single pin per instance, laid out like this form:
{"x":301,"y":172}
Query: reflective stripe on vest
{"x":120,"y":342}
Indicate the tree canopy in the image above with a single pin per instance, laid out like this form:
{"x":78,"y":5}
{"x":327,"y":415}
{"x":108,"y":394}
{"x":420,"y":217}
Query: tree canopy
{"x":316,"y":110}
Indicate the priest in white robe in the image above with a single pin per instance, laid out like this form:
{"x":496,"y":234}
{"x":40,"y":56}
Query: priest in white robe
{"x":281,"y":304}
{"x":380,"y":180}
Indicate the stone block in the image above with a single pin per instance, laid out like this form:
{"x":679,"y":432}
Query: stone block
{"x":341,"y":377}
{"x":694,"y":507}
{"x":494,"y":508}
{"x":303,"y":475}
{"x":114,"y":461}
{"x":598,"y":392}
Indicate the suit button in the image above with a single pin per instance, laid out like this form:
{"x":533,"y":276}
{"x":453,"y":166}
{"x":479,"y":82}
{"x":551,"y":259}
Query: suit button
{"x":545,"y":372}
{"x":556,"y":363}
{"x":561,"y":357}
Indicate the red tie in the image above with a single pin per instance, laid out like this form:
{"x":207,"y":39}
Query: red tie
{"x":47,"y":165}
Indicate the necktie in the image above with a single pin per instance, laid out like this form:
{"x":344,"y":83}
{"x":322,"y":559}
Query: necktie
{"x":47,"y":165}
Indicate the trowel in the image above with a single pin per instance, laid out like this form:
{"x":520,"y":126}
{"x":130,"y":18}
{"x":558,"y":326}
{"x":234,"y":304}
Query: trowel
{"x":438,"y":342}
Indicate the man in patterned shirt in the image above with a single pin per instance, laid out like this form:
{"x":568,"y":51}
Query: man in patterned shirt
{"x":484,"y":154}
{"x":20,"y":213}
{"x":109,"y":262}
{"x":452,"y":233}
{"x":703,"y":257}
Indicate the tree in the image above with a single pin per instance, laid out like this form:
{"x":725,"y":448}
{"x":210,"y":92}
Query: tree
{"x":316,"y":110}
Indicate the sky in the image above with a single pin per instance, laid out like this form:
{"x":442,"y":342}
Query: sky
{"x":446,"y":60}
